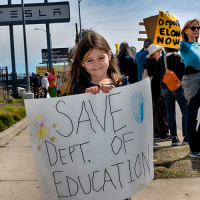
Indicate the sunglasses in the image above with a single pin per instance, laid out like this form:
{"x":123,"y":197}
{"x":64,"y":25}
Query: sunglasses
{"x":193,"y":28}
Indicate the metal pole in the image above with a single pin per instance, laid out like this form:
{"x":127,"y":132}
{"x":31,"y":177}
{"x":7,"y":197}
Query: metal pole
{"x":49,"y":43}
{"x":12,"y":48}
{"x":7,"y":81}
{"x":79,"y":1}
{"x":25,"y":49}
{"x":49,"y":46}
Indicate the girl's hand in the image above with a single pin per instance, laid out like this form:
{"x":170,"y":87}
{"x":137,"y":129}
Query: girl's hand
{"x":93,"y":90}
{"x":106,"y":88}
{"x":103,"y":88}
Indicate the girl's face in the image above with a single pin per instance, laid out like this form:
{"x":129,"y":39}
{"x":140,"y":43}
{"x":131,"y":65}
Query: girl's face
{"x":192,"y":31}
{"x":96,"y":63}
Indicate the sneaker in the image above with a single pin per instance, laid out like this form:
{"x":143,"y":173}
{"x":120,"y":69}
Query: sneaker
{"x":185,"y":141}
{"x":175,"y":141}
{"x":169,"y":138}
{"x":166,"y":138}
{"x":157,"y":138}
{"x":194,"y":155}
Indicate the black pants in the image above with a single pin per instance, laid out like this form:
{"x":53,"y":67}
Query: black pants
{"x":45,"y":92}
{"x":192,"y":127}
{"x":161,"y":128}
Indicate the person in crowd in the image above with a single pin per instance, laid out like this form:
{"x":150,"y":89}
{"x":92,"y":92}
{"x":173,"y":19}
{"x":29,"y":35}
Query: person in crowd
{"x":45,"y":84}
{"x":174,"y":63}
{"x":117,"y":49}
{"x":133,"y":52}
{"x":36,"y":86}
{"x":141,"y":57}
{"x":161,"y":129}
{"x":190,"y":52}
{"x":58,"y":83}
{"x":126,"y":62}
{"x":52,"y":84}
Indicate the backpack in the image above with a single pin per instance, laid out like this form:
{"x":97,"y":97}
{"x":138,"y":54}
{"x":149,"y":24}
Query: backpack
{"x":170,"y":78}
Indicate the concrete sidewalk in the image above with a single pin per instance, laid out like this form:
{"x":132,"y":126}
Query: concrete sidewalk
{"x":18,"y":180}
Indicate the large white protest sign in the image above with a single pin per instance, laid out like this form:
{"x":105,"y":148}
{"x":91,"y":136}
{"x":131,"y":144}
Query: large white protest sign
{"x":93,"y":147}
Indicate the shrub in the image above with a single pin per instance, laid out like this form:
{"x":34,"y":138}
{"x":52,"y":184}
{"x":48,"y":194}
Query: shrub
{"x":9,"y":100}
{"x":10,"y":108}
{"x":7,"y":119}
{"x":21,"y":111}
{"x":16,"y":117}
{"x":11,"y":111}
{"x":18,"y":101}
{"x":2,"y":126}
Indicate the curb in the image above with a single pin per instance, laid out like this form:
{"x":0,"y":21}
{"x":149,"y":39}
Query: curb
{"x":12,"y":131}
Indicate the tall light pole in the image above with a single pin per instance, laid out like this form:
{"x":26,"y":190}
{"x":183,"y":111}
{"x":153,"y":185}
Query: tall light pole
{"x":25,"y":49}
{"x":12,"y":47}
{"x":79,"y":1}
{"x":49,"y":46}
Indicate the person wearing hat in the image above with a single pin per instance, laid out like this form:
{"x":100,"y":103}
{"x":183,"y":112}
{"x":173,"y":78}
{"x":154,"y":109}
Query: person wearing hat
{"x":154,"y":51}
{"x":141,"y":57}
{"x":161,"y":129}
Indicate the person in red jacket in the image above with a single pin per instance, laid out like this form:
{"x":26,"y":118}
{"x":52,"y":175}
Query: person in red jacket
{"x":52,"y":84}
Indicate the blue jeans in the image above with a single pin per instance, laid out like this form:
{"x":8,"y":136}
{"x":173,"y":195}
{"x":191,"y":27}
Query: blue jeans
{"x":191,"y":123}
{"x":170,"y":99}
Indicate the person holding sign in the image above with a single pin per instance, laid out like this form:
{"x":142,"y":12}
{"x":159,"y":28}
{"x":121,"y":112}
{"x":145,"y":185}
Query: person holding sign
{"x":161,"y":129}
{"x":94,"y":67}
{"x":190,"y":52}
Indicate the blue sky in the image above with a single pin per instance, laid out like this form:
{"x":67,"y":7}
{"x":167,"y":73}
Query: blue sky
{"x":117,"y":20}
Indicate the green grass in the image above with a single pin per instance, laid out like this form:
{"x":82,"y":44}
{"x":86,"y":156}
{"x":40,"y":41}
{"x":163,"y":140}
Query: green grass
{"x":10,"y":108}
{"x":2,"y":126}
{"x":175,"y":163}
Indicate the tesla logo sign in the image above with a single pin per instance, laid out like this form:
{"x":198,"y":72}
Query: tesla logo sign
{"x":35,"y":13}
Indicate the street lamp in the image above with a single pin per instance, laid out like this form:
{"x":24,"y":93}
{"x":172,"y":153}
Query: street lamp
{"x":49,"y":45}
{"x":79,"y":1}
{"x":25,"y":48}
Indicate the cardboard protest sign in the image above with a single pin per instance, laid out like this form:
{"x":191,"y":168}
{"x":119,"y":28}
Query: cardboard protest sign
{"x":93,"y":147}
{"x":168,"y":30}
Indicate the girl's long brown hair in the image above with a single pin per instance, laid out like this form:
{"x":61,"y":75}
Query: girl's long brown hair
{"x":78,"y":74}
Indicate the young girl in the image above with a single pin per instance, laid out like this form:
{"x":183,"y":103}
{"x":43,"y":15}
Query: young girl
{"x":94,"y":67}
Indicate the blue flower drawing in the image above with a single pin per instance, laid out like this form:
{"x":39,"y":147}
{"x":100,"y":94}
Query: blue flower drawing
{"x":138,"y":107}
